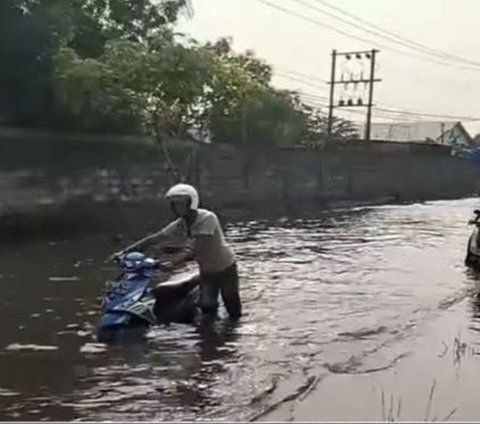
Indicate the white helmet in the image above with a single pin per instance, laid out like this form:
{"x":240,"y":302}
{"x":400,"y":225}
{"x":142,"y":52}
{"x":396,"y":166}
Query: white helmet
{"x":184,"y":190}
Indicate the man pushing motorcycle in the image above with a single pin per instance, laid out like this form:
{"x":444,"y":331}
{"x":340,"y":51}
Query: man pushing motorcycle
{"x":199,"y":231}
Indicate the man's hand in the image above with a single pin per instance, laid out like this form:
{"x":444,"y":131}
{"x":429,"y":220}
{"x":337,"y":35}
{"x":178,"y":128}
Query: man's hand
{"x":177,"y":262}
{"x":115,"y":257}
{"x":167,"y":266}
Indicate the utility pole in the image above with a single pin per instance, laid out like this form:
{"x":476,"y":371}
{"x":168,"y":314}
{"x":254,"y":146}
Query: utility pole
{"x":370,"y":95}
{"x":332,"y":95}
{"x":370,"y":81}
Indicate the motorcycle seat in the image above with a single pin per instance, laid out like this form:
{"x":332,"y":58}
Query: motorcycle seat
{"x":178,"y":287}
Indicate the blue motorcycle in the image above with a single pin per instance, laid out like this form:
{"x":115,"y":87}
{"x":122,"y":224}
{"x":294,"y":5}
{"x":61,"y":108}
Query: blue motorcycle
{"x":133,"y":300}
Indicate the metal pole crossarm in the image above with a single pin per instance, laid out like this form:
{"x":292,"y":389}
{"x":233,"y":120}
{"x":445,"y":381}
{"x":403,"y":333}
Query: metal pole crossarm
{"x":355,"y":81}
{"x":353,"y":105}
{"x":371,"y":54}
{"x":359,"y":52}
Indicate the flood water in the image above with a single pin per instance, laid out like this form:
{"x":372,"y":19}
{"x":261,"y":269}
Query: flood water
{"x":319,"y":296}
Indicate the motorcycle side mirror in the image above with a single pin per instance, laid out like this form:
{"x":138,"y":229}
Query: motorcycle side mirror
{"x":476,"y":212}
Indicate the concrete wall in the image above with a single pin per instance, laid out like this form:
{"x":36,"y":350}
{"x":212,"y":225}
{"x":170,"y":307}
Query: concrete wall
{"x":66,"y":184}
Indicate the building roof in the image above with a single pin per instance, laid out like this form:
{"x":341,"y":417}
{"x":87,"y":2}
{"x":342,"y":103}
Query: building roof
{"x":419,"y":132}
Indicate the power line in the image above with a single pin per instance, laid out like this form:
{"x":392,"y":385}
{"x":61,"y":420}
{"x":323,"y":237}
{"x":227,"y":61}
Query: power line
{"x":394,"y":36}
{"x":301,"y":75}
{"x":298,"y":78}
{"x":311,"y":101}
{"x":393,"y":112}
{"x":317,"y":98}
{"x":304,"y":79}
{"x":317,"y":104}
{"x":346,"y":34}
{"x":382,"y":112}
{"x":301,"y":80}
{"x":429,"y":115}
{"x":313,"y":96}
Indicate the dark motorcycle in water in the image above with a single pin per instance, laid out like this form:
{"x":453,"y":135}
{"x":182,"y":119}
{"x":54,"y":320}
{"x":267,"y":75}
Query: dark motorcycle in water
{"x":134,"y":301}
{"x":472,"y":258}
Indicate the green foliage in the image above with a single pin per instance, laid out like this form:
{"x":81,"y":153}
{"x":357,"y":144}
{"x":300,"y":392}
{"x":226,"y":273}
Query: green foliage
{"x":77,"y":35}
{"x":134,"y":86}
{"x":117,"y":66}
{"x":89,"y":89}
{"x":317,"y":127}
{"x":257,"y":69}
{"x":26,"y":46}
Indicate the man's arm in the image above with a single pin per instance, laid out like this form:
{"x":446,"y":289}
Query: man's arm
{"x":150,"y":240}
{"x":186,"y":256}
{"x":203,"y":236}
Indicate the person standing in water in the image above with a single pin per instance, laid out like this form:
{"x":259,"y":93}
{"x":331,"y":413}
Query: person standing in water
{"x":200,"y":232}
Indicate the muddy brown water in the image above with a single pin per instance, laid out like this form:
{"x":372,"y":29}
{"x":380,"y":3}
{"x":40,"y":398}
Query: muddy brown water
{"x":320,"y":296}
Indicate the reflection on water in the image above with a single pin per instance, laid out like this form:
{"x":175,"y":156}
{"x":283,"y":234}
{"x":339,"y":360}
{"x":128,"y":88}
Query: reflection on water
{"x":317,"y":293}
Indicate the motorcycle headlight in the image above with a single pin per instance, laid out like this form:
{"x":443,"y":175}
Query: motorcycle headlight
{"x":128,"y":264}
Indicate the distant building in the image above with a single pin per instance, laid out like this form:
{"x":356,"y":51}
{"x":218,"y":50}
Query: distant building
{"x":451,"y":134}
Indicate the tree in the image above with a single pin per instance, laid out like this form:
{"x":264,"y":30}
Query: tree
{"x":154,"y":87}
{"x":38,"y":35}
{"x":258,"y":69}
{"x":241,"y":104}
{"x":118,"y":66}
{"x":89,"y":90}
{"x":265,"y":118}
{"x":317,"y":127}
{"x":87,"y":26}
{"x":26,"y":47}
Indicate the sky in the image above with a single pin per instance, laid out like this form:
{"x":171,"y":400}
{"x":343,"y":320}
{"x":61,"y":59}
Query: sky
{"x":297,"y":48}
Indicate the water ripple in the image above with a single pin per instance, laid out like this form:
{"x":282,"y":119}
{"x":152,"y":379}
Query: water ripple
{"x":319,"y":294}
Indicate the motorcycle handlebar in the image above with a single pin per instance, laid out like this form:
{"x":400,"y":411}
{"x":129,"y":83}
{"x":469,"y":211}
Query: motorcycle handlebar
{"x":156,"y":264}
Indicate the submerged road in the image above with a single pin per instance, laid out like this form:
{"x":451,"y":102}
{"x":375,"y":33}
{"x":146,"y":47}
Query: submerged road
{"x":320,"y":296}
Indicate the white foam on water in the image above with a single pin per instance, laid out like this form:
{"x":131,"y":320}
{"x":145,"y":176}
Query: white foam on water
{"x":93,"y":348}
{"x":30,"y":348}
